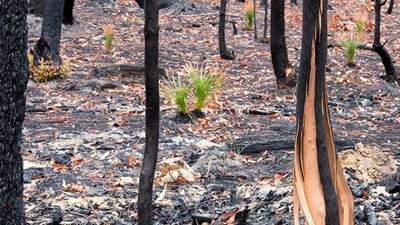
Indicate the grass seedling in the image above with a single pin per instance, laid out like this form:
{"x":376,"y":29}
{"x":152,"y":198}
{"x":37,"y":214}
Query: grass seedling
{"x":108,"y":35}
{"x":360,"y":21}
{"x":176,"y":89}
{"x":203,"y":83}
{"x":350,"y":45}
{"x":248,"y":8}
{"x":47,"y":70}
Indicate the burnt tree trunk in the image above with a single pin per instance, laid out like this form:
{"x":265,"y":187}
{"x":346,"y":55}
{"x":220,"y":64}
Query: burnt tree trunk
{"x":284,"y":73}
{"x":223,"y":50}
{"x":379,"y":48}
{"x":48,"y":46}
{"x":37,"y":7}
{"x":68,"y":17}
{"x":151,"y":34}
{"x":390,"y":8}
{"x":161,"y":3}
{"x":13,"y":80}
{"x":255,"y":20}
{"x":319,"y":185}
{"x":265,"y":19}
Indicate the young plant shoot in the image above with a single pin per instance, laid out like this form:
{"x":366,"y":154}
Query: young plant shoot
{"x":350,"y":45}
{"x":204,"y":84}
{"x":108,"y":35}
{"x":177,"y":91}
{"x":249,"y":9}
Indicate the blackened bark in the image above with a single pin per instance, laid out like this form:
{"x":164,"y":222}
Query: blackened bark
{"x":265,"y":19}
{"x":293,"y":1}
{"x":390,"y":8}
{"x":284,"y":73}
{"x":235,"y":32}
{"x":379,"y":48}
{"x":48,"y":45}
{"x":68,"y":17}
{"x":312,"y":64}
{"x":223,"y":50}
{"x":161,"y":3}
{"x":151,"y":33}
{"x":13,"y":80}
{"x":37,"y":7}
{"x":255,"y":20}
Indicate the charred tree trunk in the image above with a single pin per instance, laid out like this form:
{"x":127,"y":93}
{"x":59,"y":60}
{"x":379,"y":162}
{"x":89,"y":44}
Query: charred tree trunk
{"x":160,"y":5}
{"x":37,"y":7}
{"x":48,"y":46}
{"x":390,"y":8}
{"x":319,"y":185}
{"x":151,"y":34}
{"x":223,"y":50}
{"x":265,"y":20}
{"x":13,"y":80}
{"x":68,"y":17}
{"x":380,"y":48}
{"x":255,"y":20}
{"x":284,"y":73}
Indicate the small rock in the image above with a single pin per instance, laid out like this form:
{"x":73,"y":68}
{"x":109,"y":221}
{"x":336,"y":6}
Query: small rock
{"x":356,"y":191}
{"x":360,"y":214}
{"x":392,"y":187}
{"x":370,"y":215}
{"x":62,"y":159}
{"x":203,"y":218}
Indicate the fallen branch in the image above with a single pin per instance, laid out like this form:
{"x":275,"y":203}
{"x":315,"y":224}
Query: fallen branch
{"x":252,"y":146}
{"x":124,"y":70}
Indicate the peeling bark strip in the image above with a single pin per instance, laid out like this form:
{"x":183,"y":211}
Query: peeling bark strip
{"x":319,"y":185}
{"x":151,"y":34}
{"x":13,"y":80}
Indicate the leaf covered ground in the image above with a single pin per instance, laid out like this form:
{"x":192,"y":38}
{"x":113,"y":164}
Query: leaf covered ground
{"x":83,"y":142}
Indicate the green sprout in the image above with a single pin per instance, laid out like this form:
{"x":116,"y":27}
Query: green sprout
{"x":108,"y":35}
{"x":350,"y":45}
{"x":360,"y":21}
{"x":248,"y":7}
{"x":203,"y":83}
{"x":178,"y":91}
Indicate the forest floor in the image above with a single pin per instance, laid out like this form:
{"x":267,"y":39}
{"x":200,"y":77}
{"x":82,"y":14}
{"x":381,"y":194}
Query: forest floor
{"x":83,"y":143}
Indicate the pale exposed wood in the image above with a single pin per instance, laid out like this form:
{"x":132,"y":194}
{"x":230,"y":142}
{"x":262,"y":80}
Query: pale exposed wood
{"x":345,"y":197}
{"x":309,"y":157}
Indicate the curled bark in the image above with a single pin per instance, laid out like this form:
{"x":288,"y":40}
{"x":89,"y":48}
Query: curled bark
{"x":319,"y":185}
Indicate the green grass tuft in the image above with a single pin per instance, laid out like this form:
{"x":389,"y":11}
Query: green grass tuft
{"x":250,"y":18}
{"x":350,"y":46}
{"x":177,"y":90}
{"x":204,"y":84}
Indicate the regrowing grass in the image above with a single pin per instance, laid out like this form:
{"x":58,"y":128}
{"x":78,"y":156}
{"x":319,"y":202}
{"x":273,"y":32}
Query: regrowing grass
{"x":248,"y":7}
{"x":204,"y":84}
{"x":178,"y":91}
{"x":350,"y":46}
{"x":191,"y":80}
